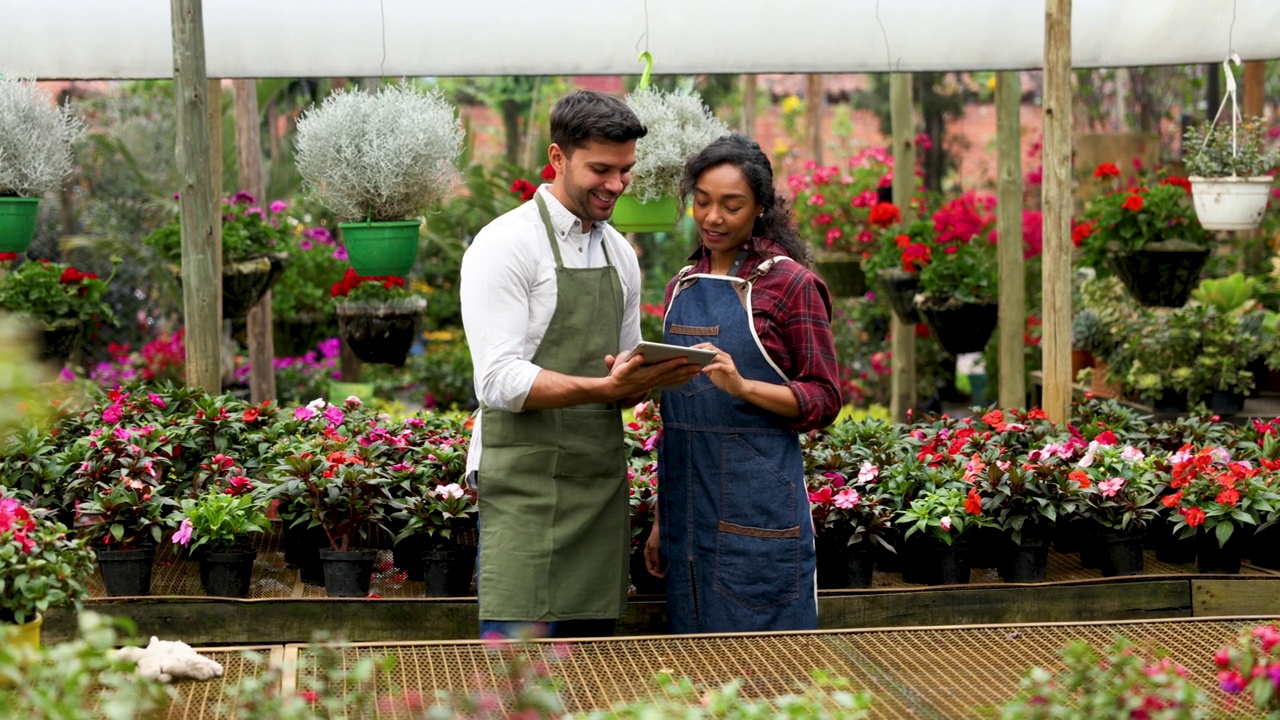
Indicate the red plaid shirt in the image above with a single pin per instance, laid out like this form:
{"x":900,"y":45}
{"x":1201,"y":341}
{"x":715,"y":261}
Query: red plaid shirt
{"x":791,"y":311}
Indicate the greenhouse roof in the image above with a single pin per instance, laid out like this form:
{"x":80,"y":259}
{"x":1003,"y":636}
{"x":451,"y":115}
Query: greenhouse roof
{"x":82,"y":39}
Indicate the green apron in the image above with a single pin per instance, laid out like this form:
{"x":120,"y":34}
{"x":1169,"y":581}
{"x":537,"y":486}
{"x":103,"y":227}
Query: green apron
{"x":554,"y":514}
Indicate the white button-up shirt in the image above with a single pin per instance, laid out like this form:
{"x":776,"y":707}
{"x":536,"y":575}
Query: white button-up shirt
{"x":508,"y":291}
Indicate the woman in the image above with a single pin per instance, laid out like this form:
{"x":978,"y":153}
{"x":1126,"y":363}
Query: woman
{"x":734,"y":527}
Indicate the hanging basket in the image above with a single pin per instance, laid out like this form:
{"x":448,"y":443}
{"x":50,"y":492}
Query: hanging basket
{"x":379,"y":249}
{"x":1230,"y":203}
{"x":900,"y":287}
{"x":381,"y":334}
{"x":17,"y":223}
{"x":843,"y":276}
{"x":631,"y":215}
{"x":962,"y":327}
{"x":60,"y":339}
{"x":1161,"y":274}
{"x":244,"y":284}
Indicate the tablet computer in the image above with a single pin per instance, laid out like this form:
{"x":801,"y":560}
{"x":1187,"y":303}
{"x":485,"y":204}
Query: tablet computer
{"x":658,"y":352}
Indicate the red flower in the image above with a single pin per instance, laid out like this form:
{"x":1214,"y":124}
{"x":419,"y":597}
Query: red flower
{"x":914,"y":257}
{"x":1171,"y":500}
{"x":250,"y":415}
{"x":1230,"y":496}
{"x":884,"y":214}
{"x":1106,"y":170}
{"x":548,"y":172}
{"x":973,"y":502}
{"x":525,"y":188}
{"x":1179,"y":182}
{"x":1195,"y":516}
{"x":1080,"y":477}
{"x":8,"y":256}
{"x":1106,"y":437}
{"x":310,"y":696}
{"x":1133,"y":203}
{"x":1080,"y":232}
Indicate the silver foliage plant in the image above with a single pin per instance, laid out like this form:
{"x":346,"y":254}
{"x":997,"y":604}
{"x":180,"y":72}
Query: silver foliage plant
{"x":384,"y":156}
{"x":36,"y":138}
{"x":679,"y":126}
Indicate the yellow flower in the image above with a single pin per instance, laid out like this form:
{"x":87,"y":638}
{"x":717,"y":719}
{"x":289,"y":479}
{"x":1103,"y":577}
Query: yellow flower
{"x":781,"y":146}
{"x":790,"y":104}
{"x":991,"y":83}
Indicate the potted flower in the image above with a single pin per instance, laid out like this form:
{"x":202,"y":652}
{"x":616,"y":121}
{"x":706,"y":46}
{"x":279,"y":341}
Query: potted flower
{"x":36,"y":135}
{"x":1119,"y":488}
{"x":302,"y":300}
{"x":850,"y":516}
{"x":1219,"y":501}
{"x":959,"y":275}
{"x":841,"y":208}
{"x":1148,"y":233}
{"x":679,"y":126}
{"x":41,"y":566}
{"x":379,"y":160}
{"x":60,"y":299}
{"x":379,"y":317}
{"x":939,"y":519}
{"x":437,"y":516}
{"x":220,"y":522}
{"x":252,"y":250}
{"x":1026,"y":501}
{"x":895,"y":260}
{"x":121,"y":502}
{"x":1230,"y":173}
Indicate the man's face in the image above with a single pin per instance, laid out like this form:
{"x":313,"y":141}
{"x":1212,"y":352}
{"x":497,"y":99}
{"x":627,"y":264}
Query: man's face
{"x":590,"y":179}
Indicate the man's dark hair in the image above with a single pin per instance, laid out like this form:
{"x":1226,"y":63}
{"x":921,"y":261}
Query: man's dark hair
{"x":586,"y":116}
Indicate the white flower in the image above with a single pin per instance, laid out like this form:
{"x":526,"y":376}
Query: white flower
{"x":352,"y":401}
{"x":317,"y":404}
{"x":1086,"y":461}
{"x":452,"y":491}
{"x":868,"y":473}
{"x":945,"y":522}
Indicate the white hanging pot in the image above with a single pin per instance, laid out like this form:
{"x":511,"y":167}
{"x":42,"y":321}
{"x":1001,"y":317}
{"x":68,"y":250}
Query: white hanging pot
{"x":1230,"y":203}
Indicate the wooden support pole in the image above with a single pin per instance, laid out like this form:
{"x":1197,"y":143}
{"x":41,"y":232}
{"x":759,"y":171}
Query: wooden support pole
{"x":1055,"y":278}
{"x":1013,"y":274}
{"x":200,"y":219}
{"x":902,"y":382}
{"x":262,"y":376}
{"x":1255,"y":87}
{"x":814,"y":101}
{"x":750,"y":98}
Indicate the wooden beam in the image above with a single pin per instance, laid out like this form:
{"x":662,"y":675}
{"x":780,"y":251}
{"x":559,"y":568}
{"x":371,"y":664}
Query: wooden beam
{"x":1013,"y":273}
{"x":1055,"y":278}
{"x":1255,"y":87}
{"x":750,"y":98}
{"x":200,"y":219}
{"x":814,"y":105}
{"x":262,"y":376}
{"x":902,"y":381}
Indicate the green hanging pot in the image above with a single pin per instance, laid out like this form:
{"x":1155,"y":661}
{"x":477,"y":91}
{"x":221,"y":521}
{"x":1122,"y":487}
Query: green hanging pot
{"x":381,"y":248}
{"x":17,"y":223}
{"x":631,"y":215}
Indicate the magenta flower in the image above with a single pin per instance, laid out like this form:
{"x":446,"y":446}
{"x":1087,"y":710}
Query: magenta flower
{"x":303,"y":413}
{"x":340,"y":253}
{"x":305,"y":244}
{"x":183,"y":536}
{"x":156,"y":400}
{"x":334,"y":415}
{"x":279,"y":206}
{"x":112,"y":413}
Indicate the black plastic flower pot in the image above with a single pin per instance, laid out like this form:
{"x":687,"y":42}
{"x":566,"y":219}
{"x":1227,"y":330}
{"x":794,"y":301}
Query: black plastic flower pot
{"x":1224,"y":403}
{"x":843,"y":276}
{"x":1264,"y":548}
{"x":347,"y":573}
{"x":126,"y":573}
{"x":962,"y":328}
{"x":302,"y":546}
{"x":1028,"y":560}
{"x":448,"y":573}
{"x":1225,"y":559}
{"x":899,"y":288}
{"x":987,"y":548}
{"x":227,"y":574}
{"x":1121,"y":552}
{"x":380,"y":335}
{"x":1161,"y":277}
{"x":407,"y":556}
{"x":60,"y":339}
{"x":1169,"y":547}
{"x":841,"y":565}
{"x":1170,"y":401}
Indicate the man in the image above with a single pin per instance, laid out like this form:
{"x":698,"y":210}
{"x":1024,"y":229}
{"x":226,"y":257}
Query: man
{"x":550,"y":304}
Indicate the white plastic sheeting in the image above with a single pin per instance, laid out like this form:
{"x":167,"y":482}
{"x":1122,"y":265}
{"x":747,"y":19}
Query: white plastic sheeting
{"x":85,"y":39}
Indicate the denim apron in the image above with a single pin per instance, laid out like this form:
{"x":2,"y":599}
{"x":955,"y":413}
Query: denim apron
{"x":554,"y":514}
{"x":733,"y":509}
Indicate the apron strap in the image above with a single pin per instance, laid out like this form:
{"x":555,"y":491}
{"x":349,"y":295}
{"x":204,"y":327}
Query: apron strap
{"x":763,"y":268}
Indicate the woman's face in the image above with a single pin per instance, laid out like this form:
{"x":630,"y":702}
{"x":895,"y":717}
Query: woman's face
{"x":724,"y":208}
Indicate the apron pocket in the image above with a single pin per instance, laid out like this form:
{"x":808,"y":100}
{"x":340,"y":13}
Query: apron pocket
{"x":589,"y":447}
{"x":699,"y":384}
{"x":756,"y":568}
{"x":752,"y":491}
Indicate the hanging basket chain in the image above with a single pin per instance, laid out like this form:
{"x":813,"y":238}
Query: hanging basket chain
{"x":1236,"y":119}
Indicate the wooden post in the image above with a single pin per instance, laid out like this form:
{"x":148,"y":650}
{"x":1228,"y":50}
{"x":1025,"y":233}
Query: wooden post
{"x":200,"y":219}
{"x":814,"y":100}
{"x":262,"y":376}
{"x":902,"y":382}
{"x":1056,"y":203}
{"x":1255,"y":87}
{"x":750,"y":99}
{"x":1013,"y":278}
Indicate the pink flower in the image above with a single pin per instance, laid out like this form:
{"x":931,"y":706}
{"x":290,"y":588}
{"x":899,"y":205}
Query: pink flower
{"x":112,"y":413}
{"x":340,"y":253}
{"x":279,"y":206}
{"x":303,"y":413}
{"x":334,"y":415}
{"x":156,"y":400}
{"x":868,"y":473}
{"x":183,"y":536}
{"x":1110,"y":487}
{"x":1132,"y":454}
{"x":945,"y":522}
{"x":452,"y":491}
{"x":847,"y":499}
